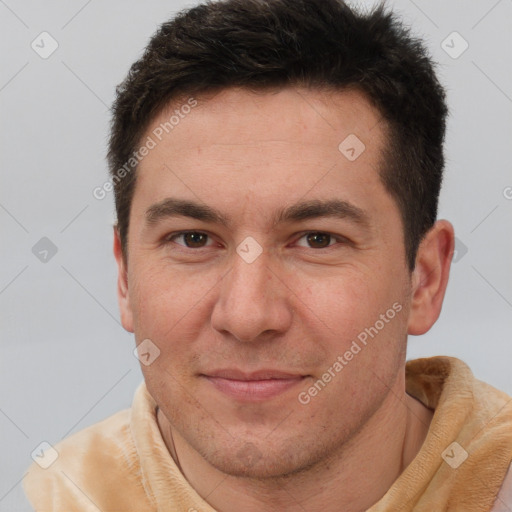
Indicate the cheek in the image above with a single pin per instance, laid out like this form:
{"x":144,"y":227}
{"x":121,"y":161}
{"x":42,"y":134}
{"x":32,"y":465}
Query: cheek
{"x":355,"y":306}
{"x":342,"y":300}
{"x":361,"y":323}
{"x":170,"y":310}
{"x":167,"y":302}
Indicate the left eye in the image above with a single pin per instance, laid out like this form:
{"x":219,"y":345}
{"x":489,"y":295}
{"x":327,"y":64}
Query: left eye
{"x":191,"y":239}
{"x":316,"y":240}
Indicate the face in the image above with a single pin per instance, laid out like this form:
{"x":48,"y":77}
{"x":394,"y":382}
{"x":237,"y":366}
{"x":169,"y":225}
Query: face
{"x":267,"y":264}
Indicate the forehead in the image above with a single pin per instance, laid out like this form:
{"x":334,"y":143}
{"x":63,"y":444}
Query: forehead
{"x":292,"y":114}
{"x":269,"y":147}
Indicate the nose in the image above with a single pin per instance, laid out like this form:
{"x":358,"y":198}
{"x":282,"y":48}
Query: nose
{"x":253,"y":302}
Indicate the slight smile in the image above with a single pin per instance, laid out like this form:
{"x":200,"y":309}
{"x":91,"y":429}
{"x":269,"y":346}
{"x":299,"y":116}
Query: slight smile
{"x":254,"y":386}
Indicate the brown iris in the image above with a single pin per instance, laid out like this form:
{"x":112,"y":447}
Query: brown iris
{"x":195,"y":239}
{"x":318,"y":240}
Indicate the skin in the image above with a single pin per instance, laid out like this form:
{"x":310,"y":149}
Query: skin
{"x":297,"y":307}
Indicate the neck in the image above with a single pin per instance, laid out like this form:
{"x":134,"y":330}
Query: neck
{"x":353,"y":479}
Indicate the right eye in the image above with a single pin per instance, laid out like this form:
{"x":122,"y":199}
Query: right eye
{"x":191,"y":239}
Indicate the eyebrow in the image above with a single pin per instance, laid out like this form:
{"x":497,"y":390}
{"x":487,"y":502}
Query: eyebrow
{"x":171,"y":207}
{"x":316,"y":208}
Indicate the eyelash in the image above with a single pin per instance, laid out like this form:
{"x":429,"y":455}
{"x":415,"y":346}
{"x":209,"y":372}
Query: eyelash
{"x":334,"y":238}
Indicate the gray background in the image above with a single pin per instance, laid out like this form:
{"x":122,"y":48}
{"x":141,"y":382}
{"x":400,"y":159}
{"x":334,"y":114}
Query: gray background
{"x":65,"y":360}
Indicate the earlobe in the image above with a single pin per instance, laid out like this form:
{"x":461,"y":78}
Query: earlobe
{"x":123,"y":295}
{"x":430,"y":277}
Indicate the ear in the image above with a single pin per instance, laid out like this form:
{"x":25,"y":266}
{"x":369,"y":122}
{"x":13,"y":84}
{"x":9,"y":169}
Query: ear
{"x":123,"y":295}
{"x":430,"y":277}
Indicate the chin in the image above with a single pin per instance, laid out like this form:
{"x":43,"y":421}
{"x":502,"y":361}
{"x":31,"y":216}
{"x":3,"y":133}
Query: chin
{"x":261,"y":461}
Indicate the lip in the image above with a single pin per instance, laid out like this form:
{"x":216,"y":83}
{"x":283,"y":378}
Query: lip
{"x":253,"y":386}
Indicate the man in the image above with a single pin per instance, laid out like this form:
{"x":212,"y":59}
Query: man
{"x":277,"y":166}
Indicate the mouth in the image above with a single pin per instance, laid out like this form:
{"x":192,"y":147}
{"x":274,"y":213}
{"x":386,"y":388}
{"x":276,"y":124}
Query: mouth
{"x":254,"y":386}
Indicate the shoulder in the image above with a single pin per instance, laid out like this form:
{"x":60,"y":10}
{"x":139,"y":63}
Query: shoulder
{"x":89,"y":465}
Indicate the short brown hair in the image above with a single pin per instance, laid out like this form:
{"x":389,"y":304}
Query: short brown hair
{"x":311,"y":43}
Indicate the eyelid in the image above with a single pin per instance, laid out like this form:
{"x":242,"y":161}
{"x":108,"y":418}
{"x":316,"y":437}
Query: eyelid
{"x":172,"y":236}
{"x":340,"y":239}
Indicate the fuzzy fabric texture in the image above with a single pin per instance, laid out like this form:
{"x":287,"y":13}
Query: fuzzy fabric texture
{"x":122,"y":464}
